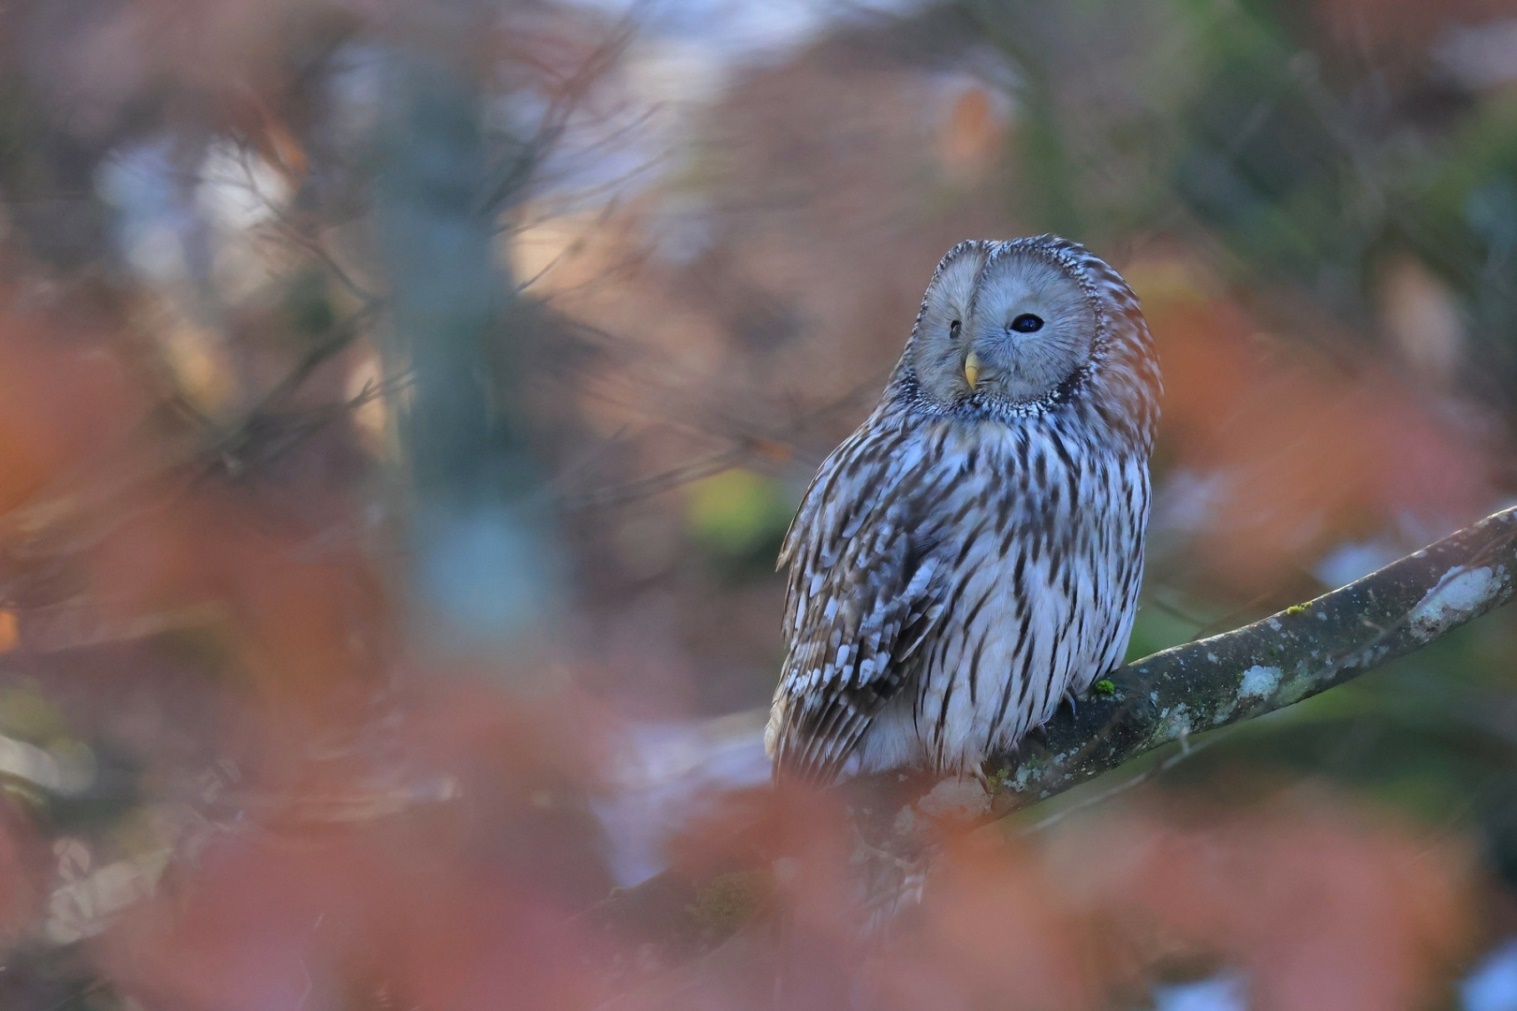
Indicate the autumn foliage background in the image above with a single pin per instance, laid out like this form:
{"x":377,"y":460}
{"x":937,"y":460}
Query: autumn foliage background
{"x":401,"y":406}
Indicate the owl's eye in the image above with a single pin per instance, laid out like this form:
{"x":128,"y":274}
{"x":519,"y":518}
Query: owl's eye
{"x":1027,"y":323}
{"x":954,"y":328}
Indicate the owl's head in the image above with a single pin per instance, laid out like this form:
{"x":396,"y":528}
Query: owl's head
{"x":1017,"y":324}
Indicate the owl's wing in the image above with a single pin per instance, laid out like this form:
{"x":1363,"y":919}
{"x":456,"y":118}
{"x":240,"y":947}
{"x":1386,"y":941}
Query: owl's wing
{"x":864,"y":591}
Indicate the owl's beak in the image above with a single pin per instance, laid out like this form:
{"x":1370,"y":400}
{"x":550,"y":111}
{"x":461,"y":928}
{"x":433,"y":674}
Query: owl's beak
{"x":972,"y":369}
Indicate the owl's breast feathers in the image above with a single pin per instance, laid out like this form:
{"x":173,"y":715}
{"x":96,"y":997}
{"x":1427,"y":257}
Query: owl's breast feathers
{"x":928,"y":547}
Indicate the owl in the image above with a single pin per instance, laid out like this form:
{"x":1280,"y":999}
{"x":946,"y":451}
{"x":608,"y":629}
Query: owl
{"x":972,"y":553}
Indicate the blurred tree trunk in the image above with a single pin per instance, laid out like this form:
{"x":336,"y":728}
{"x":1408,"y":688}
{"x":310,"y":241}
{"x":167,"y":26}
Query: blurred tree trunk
{"x":479,"y":559}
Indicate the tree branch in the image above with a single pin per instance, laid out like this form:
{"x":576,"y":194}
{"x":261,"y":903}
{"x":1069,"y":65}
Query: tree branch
{"x":1268,"y":665}
{"x":1163,"y":698}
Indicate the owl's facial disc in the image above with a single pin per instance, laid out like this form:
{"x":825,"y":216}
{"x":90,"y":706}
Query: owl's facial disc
{"x":1030,"y":327}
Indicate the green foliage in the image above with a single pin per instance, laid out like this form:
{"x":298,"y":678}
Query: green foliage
{"x":738,"y":514}
{"x":1159,"y":628}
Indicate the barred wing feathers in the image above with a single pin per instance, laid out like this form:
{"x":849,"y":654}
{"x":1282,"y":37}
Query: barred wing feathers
{"x":866,"y":587}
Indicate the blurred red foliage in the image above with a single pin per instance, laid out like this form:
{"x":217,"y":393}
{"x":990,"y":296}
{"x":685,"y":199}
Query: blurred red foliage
{"x":23,"y":871}
{"x":1298,"y":452}
{"x":66,"y":401}
{"x":393,"y":847}
{"x":1313,"y":903}
{"x":312,"y":821}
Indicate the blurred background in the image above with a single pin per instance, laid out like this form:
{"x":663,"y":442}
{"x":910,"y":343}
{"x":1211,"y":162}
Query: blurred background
{"x":401,"y":406}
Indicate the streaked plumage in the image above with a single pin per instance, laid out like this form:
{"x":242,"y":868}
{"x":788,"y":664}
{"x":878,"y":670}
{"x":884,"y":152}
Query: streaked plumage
{"x":972,"y":553}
